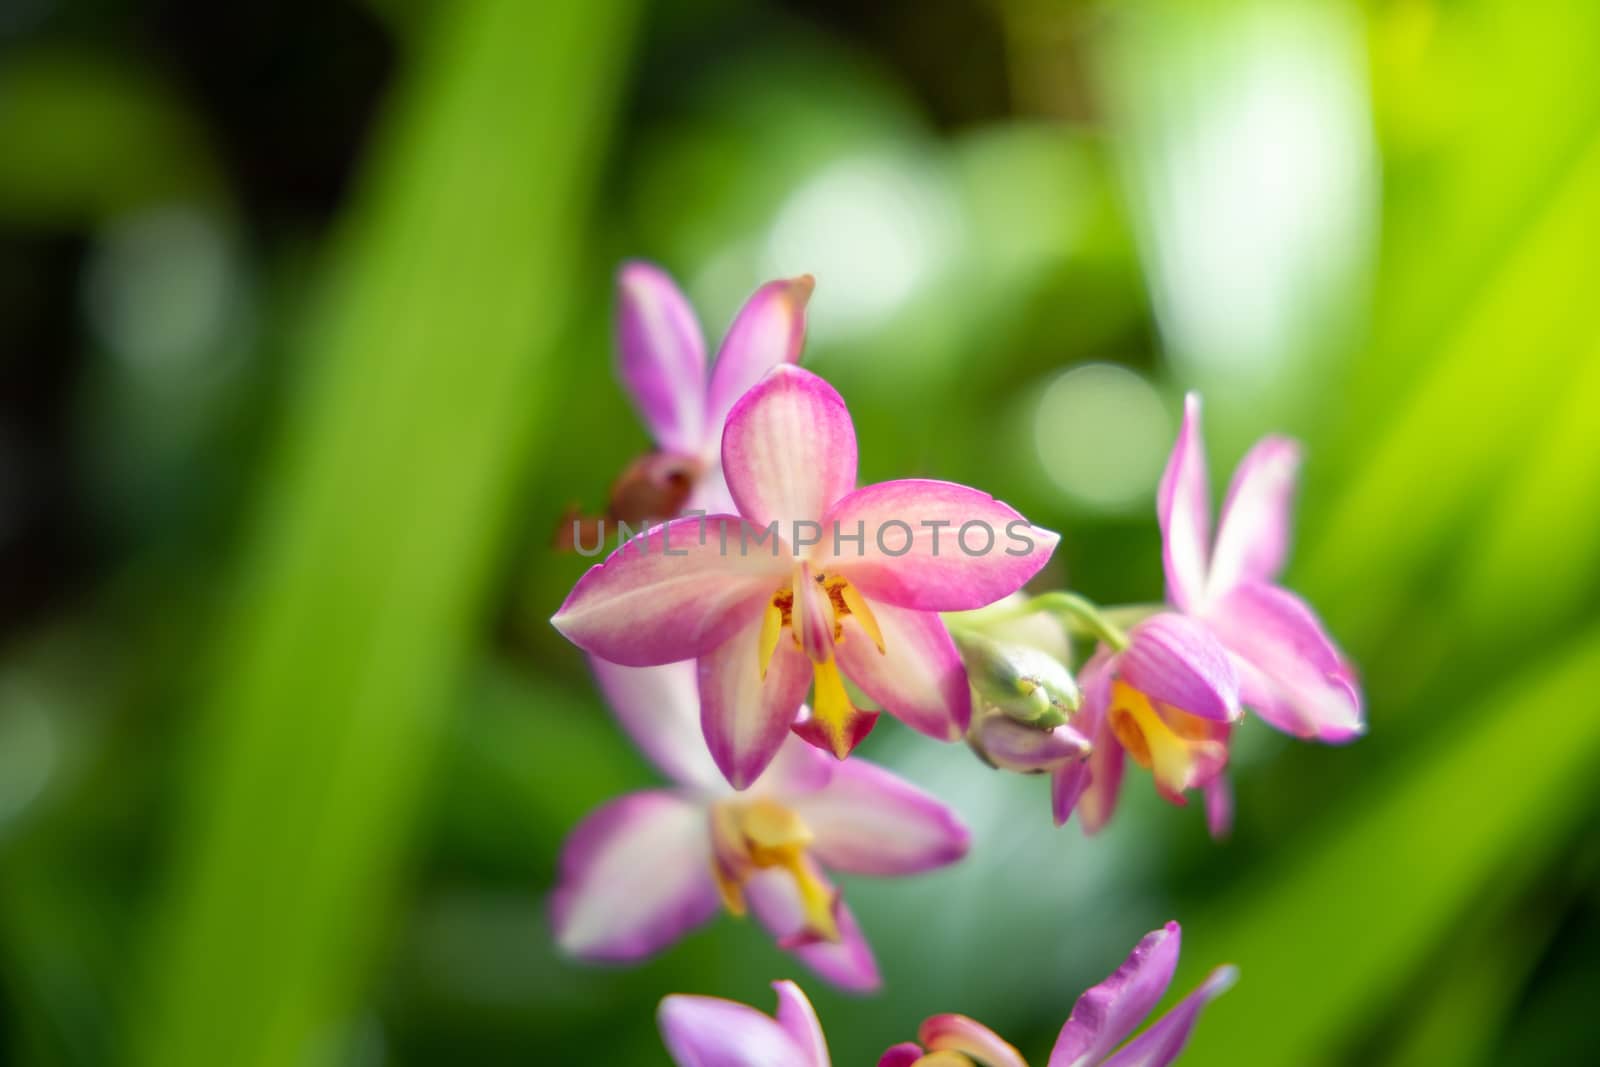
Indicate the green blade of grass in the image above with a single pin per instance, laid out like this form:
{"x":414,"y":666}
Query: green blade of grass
{"x":366,"y":576}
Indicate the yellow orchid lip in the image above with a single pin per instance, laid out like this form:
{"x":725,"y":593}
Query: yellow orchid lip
{"x":1177,"y":748}
{"x":813,"y":609}
{"x":761,"y":834}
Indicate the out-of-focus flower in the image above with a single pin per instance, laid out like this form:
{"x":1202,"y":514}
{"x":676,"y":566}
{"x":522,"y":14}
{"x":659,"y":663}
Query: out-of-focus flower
{"x":712,"y":1032}
{"x":1101,"y":1020}
{"x":644,"y":869}
{"x":1290,"y":671}
{"x":661,"y":359}
{"x":1167,"y":700}
{"x":855,"y":577}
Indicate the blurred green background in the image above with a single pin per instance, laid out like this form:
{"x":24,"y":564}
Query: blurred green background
{"x":305,"y":348}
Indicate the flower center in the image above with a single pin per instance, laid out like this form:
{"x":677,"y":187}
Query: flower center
{"x":1180,"y":749}
{"x":757,"y":835}
{"x":813,"y":609}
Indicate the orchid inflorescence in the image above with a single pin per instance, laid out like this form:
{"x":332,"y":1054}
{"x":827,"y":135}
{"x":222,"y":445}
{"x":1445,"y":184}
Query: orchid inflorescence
{"x":766,"y":609}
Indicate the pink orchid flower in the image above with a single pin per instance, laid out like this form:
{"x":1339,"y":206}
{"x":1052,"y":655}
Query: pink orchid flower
{"x":641,"y":871}
{"x":712,"y":1032}
{"x":1168,"y":700}
{"x":662,"y":364}
{"x":1290,"y":671}
{"x":1103,"y":1017}
{"x":855,"y":577}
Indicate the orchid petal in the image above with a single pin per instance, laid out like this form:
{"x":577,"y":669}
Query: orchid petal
{"x":1219,"y":807}
{"x":675,"y":592}
{"x":1108,"y":1012}
{"x":1097,"y":800}
{"x":869,"y":821}
{"x":957,"y":1033}
{"x":930,"y":545}
{"x":1293,"y":675}
{"x":1067,"y":785}
{"x":1175,"y":660}
{"x":905,"y":1054}
{"x":659,"y":707}
{"x":635,"y":875}
{"x":661,"y":357}
{"x":1028,"y":749}
{"x":1253,"y":534}
{"x":1184,"y":507}
{"x":789,"y":449}
{"x":796,"y":1015}
{"x":918,"y":677}
{"x":798,"y":769}
{"x":847,"y":963}
{"x":712,"y":1032}
{"x":1164,"y":1041}
{"x":769,"y":330}
{"x":746,"y":717}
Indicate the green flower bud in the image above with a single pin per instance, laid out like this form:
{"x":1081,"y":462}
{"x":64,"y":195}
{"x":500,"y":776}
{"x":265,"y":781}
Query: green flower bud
{"x":1025,"y":683}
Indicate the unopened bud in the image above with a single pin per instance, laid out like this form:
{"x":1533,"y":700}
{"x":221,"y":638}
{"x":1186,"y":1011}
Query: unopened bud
{"x":1010,"y":745}
{"x":1031,"y":686}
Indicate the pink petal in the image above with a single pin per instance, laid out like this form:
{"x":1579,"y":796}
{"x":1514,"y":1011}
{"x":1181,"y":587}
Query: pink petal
{"x":1108,"y":1012}
{"x":1175,"y":660}
{"x":672,"y":594}
{"x":1253,"y":536}
{"x":769,"y":330}
{"x":1292,"y":674}
{"x":904,"y":1054}
{"x":918,"y":677}
{"x":1097,"y":801}
{"x":1162,"y":1043}
{"x":869,"y":821}
{"x":1184,"y":507}
{"x":634,"y":876}
{"x":1219,"y":807}
{"x":661,"y":357}
{"x":957,"y":1033}
{"x":796,"y":1015}
{"x":745,"y":717}
{"x":1028,"y":749}
{"x":847,"y":963}
{"x":712,"y":1032}
{"x":1067,"y":785}
{"x":798,"y":769}
{"x":659,"y":707}
{"x":789,"y":449}
{"x":932,"y":546}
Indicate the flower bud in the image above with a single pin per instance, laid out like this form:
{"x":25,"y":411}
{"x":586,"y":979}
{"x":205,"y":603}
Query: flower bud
{"x":1029,"y":685}
{"x":1010,"y":745}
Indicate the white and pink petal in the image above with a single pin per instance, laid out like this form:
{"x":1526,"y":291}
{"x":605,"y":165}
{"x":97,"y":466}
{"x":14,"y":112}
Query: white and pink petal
{"x":634,"y":876}
{"x":769,"y":330}
{"x":1107,"y":1013}
{"x":673,"y":593}
{"x":1164,"y":1041}
{"x":847,"y":963}
{"x":931,"y":545}
{"x":870,"y":821}
{"x":659,"y":707}
{"x":746,"y":717}
{"x":1175,"y":660}
{"x":1183,"y":507}
{"x":661,"y":357}
{"x":789,"y":449}
{"x":712,"y":1032}
{"x":1254,"y":533}
{"x":918,"y":677}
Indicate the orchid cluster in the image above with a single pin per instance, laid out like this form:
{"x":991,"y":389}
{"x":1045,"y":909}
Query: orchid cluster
{"x":764,"y":611}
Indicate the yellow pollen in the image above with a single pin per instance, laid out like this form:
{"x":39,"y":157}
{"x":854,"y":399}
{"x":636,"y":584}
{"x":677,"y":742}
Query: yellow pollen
{"x":944,"y":1058}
